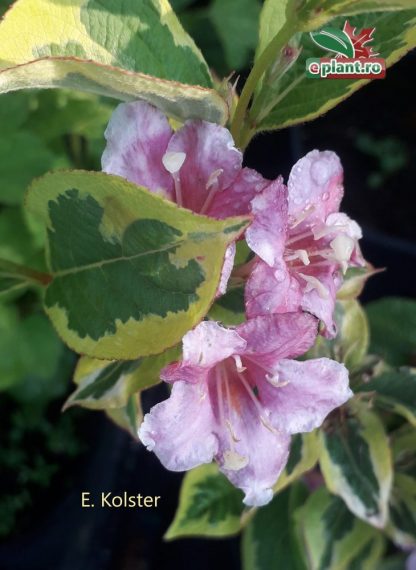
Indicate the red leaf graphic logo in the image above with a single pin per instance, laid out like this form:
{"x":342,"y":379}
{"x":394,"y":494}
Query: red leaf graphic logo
{"x":360,"y":41}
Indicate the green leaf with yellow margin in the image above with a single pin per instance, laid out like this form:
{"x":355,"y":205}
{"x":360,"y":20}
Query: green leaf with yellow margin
{"x":403,"y":445}
{"x":128,"y":417}
{"x":356,"y":462}
{"x":295,"y":98}
{"x":229,"y":308}
{"x":131,"y":272}
{"x":402,"y":521}
{"x":371,"y":554}
{"x":394,"y":391}
{"x":209,"y":505}
{"x":119,"y":48}
{"x":104,"y":384}
{"x":354,"y":281}
{"x":304,"y":454}
{"x":321,"y":12}
{"x":354,"y":333}
{"x":333,"y":538}
{"x":350,"y":346}
{"x":273,"y":14}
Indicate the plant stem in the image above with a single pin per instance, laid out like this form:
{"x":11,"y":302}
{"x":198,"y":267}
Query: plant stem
{"x":10,"y":269}
{"x":242,"y":132}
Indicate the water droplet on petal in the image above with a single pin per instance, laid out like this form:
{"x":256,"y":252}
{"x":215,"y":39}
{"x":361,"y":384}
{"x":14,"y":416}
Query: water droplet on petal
{"x":279,"y":275}
{"x":325,"y":196}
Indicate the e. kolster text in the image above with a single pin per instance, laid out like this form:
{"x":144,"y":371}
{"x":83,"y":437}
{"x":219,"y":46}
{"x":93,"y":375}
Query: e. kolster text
{"x":112,"y":501}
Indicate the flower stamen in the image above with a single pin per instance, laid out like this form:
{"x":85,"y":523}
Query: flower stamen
{"x":211,"y":185}
{"x":173,"y":162}
{"x":256,"y":403}
{"x":314,"y":283}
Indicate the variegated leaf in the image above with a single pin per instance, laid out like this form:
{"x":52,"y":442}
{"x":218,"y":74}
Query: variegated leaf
{"x":402,"y":520}
{"x":354,"y":281}
{"x":333,"y":538}
{"x":104,"y":384}
{"x":131,"y":272}
{"x":120,"y":48}
{"x":295,"y":98}
{"x":350,"y":346}
{"x":394,"y":391}
{"x":304,"y":454}
{"x":321,"y":12}
{"x":356,"y":463}
{"x":316,"y":13}
{"x":209,"y":505}
{"x":128,"y":417}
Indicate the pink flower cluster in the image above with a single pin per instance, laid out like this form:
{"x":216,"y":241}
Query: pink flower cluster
{"x":238,"y":394}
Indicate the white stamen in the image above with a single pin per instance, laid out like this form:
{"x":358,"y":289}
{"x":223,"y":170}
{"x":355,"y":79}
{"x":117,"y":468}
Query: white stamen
{"x":234,"y":461}
{"x":343,"y":246}
{"x":239,"y":364}
{"x":324,"y":230}
{"x":213,"y":178}
{"x":303,"y":256}
{"x":231,"y":430}
{"x":314,"y":283}
{"x":299,"y":219}
{"x":212,"y":186}
{"x":273,"y":379}
{"x":218,"y":378}
{"x":268,"y":425}
{"x":256,"y":403}
{"x":234,"y":438}
{"x":173,"y":161}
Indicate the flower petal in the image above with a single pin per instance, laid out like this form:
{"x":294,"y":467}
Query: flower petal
{"x":266,"y":235}
{"x":137,"y":137}
{"x":271,"y":338}
{"x":212,"y":162}
{"x":251,"y":455}
{"x":182,"y":372}
{"x":315,"y":183}
{"x":179,"y":430}
{"x":309,"y":392}
{"x":321,"y":301}
{"x":235,"y":199}
{"x":209,"y":343}
{"x":271,"y":290}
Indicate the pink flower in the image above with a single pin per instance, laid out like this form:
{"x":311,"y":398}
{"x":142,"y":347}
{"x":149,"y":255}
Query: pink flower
{"x":237,"y":396}
{"x":198,"y":166}
{"x":303,"y":243}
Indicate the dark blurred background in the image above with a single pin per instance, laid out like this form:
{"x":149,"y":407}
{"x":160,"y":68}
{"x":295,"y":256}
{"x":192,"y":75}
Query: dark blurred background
{"x":47,"y":458}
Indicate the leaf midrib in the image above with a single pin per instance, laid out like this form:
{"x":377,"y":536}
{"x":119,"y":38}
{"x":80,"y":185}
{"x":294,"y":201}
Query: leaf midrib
{"x":98,"y":264}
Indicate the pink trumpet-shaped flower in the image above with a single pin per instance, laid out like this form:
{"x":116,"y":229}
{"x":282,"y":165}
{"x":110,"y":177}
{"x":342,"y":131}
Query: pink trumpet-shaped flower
{"x":303,"y":243}
{"x":198,"y":166}
{"x":237,"y":396}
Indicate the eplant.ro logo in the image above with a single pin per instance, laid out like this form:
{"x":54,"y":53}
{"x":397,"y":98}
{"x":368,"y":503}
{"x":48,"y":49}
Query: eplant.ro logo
{"x":353,"y":58}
